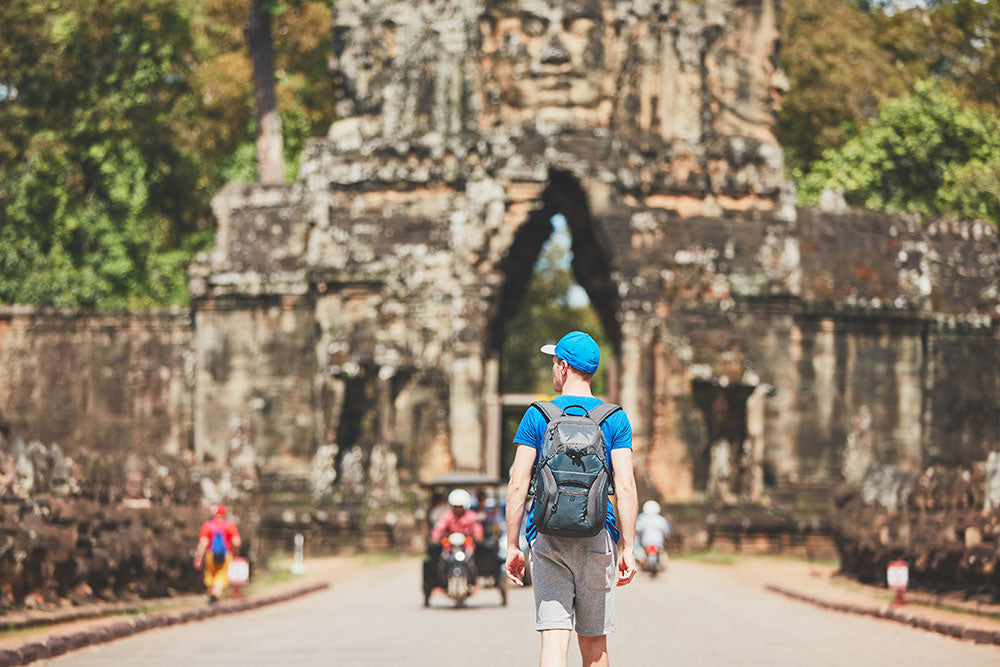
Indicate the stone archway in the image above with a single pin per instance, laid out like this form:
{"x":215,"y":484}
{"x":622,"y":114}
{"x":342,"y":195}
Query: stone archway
{"x":592,"y":266}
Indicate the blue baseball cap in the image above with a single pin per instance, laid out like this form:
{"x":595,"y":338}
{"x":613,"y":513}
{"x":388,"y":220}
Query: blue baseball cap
{"x":578,"y":350}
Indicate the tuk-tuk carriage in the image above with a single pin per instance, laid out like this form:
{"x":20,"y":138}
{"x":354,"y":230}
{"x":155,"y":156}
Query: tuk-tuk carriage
{"x":444,"y":564}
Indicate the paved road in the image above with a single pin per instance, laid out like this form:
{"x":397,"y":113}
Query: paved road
{"x":695,"y":615}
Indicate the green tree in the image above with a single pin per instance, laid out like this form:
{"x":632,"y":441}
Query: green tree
{"x":119,"y":121}
{"x":837,"y":75}
{"x":545,"y":315}
{"x":844,"y":58}
{"x":957,"y":42}
{"x":300,"y":30}
{"x":925,"y":153}
{"x":97,"y":186}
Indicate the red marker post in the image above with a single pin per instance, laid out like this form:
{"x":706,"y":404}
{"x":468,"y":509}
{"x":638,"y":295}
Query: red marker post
{"x":898,"y":576}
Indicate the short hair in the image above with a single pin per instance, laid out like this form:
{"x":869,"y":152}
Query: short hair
{"x":581,"y":374}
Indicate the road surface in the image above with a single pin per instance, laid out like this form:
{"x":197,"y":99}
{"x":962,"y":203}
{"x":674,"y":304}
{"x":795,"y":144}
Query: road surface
{"x":693,"y":615}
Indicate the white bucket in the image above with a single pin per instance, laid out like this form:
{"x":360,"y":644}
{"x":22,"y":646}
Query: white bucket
{"x":239,"y":571}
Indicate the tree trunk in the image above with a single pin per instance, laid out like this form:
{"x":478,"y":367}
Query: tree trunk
{"x":270,"y":149}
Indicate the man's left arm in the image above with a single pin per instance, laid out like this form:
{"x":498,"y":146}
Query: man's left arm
{"x":439,"y":529}
{"x":628,"y":511}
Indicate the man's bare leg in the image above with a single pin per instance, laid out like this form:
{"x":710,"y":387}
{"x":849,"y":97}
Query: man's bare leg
{"x":555,"y":645}
{"x":594,"y":651}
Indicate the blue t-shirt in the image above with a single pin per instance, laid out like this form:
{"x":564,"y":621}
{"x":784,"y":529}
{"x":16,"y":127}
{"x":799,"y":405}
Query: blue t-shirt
{"x":617,"y":435}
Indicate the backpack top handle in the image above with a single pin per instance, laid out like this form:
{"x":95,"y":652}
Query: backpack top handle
{"x":599,"y":413}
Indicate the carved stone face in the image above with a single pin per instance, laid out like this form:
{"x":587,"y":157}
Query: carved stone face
{"x":743,"y":76}
{"x":545,"y":53}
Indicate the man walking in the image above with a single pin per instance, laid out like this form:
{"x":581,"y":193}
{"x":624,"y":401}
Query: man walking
{"x":573,"y":570}
{"x":218,"y":543}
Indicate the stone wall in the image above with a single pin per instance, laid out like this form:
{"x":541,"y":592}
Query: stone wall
{"x":751,"y":349}
{"x":112,"y":382}
{"x":100,"y":494}
{"x":96,"y":525}
{"x":842,"y":328}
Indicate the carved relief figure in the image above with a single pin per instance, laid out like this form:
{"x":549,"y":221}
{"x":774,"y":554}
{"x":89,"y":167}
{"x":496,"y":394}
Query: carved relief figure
{"x":744,"y":83}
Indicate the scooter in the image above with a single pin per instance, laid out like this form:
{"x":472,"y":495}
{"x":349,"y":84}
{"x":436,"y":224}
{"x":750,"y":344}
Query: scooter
{"x":457,"y":553}
{"x":652,"y":564}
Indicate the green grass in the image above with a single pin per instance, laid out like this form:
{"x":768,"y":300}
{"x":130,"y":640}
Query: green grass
{"x":822,"y":562}
{"x":379,"y":558}
{"x":710,"y":557}
{"x":958,"y":610}
{"x":12,"y":630}
{"x":716,"y":557}
{"x":269,"y":576}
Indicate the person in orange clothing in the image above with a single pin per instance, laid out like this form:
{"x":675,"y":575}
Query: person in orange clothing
{"x":218,"y":544}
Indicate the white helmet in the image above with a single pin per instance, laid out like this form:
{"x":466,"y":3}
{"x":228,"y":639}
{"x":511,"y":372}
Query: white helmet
{"x":651,"y":507}
{"x":460,"y":498}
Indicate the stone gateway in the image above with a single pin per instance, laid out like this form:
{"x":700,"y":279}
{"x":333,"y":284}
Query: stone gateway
{"x":346,"y":328}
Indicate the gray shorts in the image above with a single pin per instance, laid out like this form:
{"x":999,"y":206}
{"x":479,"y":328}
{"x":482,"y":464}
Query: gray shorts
{"x":574,"y":579}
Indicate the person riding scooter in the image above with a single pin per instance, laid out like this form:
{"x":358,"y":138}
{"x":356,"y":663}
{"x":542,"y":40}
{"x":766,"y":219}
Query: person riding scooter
{"x":459,"y":520}
{"x":651,"y":531}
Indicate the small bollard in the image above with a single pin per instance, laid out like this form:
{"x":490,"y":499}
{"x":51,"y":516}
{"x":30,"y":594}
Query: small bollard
{"x":898,"y":577}
{"x":298,"y":566}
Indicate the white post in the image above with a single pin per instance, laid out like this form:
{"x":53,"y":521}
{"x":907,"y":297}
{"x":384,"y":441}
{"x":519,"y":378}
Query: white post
{"x":298,"y":567}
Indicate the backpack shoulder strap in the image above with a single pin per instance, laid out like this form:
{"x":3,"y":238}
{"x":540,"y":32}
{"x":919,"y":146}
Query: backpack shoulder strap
{"x":548,"y":409}
{"x":220,"y":531}
{"x":603,"y":411}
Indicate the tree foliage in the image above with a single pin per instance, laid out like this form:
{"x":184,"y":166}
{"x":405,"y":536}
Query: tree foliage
{"x":924,"y":153}
{"x":845,"y":58}
{"x":301,"y":33}
{"x":837,"y":76}
{"x":545,"y":315}
{"x":96,"y":194}
{"x":118,"y":122}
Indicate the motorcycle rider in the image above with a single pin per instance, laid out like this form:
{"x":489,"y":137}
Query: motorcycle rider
{"x":650,"y":529}
{"x":460,"y":519}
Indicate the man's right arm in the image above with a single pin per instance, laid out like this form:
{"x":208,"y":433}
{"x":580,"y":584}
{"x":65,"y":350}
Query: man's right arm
{"x":517,"y":493}
{"x":628,"y":510}
{"x":199,"y":553}
{"x":437,"y":532}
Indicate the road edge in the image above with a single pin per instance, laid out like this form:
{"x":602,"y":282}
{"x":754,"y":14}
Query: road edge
{"x":888,"y":612}
{"x":57,"y":645}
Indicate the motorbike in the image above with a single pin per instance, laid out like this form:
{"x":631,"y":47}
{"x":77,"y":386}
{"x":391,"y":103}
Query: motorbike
{"x":457,"y":553}
{"x":653,"y":563}
{"x":484,"y":559}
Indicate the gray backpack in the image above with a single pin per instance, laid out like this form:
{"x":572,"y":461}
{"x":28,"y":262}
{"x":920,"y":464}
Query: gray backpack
{"x":571,"y":480}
